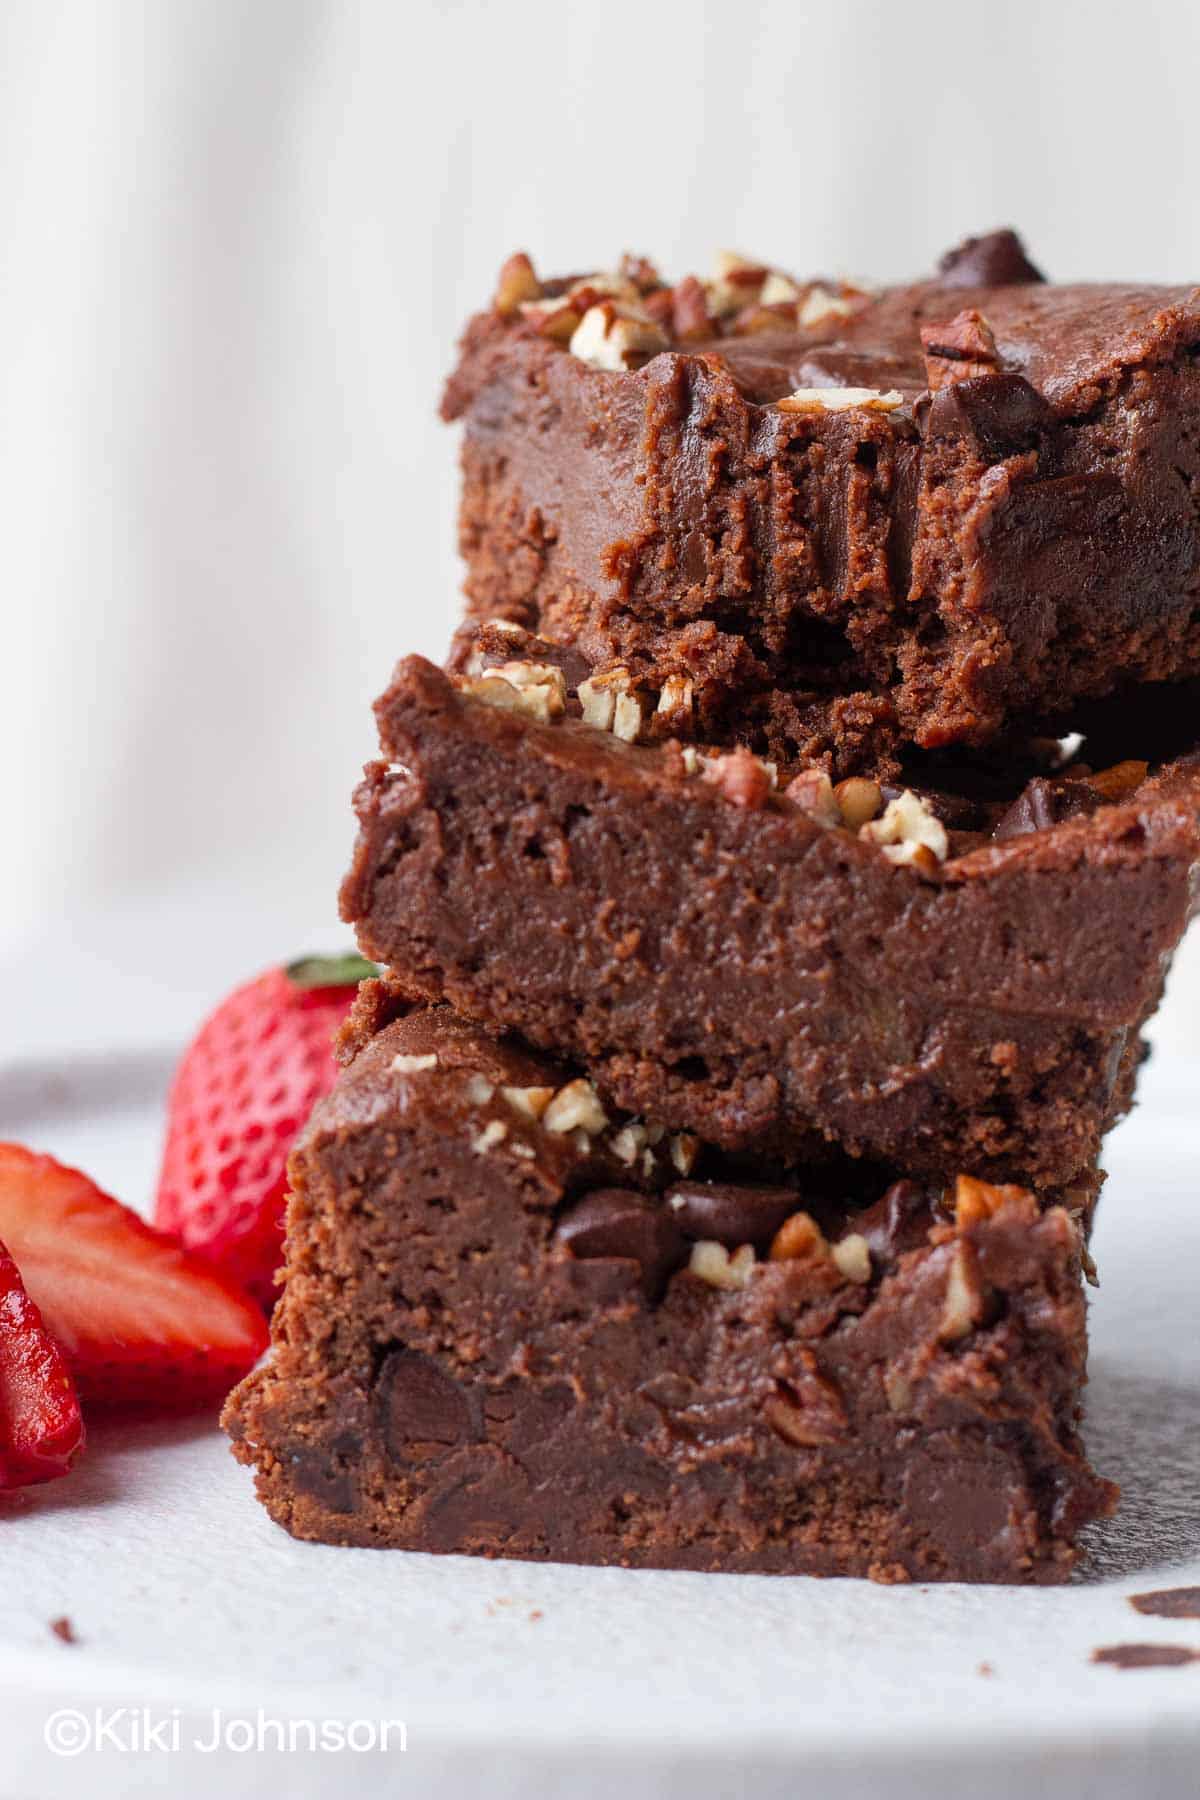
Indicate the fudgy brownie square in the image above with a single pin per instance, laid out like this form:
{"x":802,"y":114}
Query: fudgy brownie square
{"x":518,"y":1324}
{"x":936,"y":980}
{"x":828,"y":522}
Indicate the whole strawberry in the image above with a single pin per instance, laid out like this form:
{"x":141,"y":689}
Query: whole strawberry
{"x":244,"y":1088}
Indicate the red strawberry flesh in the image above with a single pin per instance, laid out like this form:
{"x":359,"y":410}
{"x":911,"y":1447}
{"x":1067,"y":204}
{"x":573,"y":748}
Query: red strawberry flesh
{"x":41,"y":1428}
{"x":140,"y":1321}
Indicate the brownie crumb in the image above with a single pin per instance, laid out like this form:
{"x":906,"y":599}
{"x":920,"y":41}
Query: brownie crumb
{"x":64,"y":1630}
{"x":1169,"y":1603}
{"x":1145,"y":1656}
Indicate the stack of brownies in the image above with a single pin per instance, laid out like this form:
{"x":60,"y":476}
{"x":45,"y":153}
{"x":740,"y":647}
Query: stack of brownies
{"x":770,"y":892}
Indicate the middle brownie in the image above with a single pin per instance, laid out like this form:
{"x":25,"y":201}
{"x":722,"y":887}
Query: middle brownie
{"x":739,"y":962}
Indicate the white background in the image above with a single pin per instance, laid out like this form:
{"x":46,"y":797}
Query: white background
{"x":237,"y":243}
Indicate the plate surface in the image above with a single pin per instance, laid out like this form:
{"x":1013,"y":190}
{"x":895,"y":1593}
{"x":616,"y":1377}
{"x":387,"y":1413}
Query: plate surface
{"x":513,"y":1678}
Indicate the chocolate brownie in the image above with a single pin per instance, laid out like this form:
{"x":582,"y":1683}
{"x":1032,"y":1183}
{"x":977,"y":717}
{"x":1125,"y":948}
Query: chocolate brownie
{"x":517,"y":1325}
{"x":773,"y":967}
{"x":839,"y":522}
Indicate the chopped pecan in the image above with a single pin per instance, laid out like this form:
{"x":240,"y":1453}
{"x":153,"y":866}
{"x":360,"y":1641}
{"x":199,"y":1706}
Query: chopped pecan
{"x":812,"y":791}
{"x":515,"y":284}
{"x":958,"y":350}
{"x":741,"y":777}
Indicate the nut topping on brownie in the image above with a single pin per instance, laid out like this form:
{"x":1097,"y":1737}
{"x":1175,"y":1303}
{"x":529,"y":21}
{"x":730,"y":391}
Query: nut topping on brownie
{"x":832,"y":510}
{"x":958,"y":351}
{"x":576,"y":1107}
{"x":908,"y":832}
{"x":720,"y":1268}
{"x":613,"y":337}
{"x":516,"y":284}
{"x":537,"y":688}
{"x":840,"y":399}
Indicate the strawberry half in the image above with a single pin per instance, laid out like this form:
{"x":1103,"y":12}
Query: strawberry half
{"x":140,"y":1322}
{"x":41,"y":1427}
{"x":243,"y":1089}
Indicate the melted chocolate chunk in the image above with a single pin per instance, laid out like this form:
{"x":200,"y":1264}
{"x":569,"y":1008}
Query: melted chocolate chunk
{"x":729,"y":1214}
{"x":326,"y":1473}
{"x":963,"y":1493}
{"x":956,"y":811}
{"x":997,"y":259}
{"x":422,"y":1410}
{"x":1043,"y":803}
{"x":1001,"y":412}
{"x":899,"y":1220}
{"x":620,"y":1223}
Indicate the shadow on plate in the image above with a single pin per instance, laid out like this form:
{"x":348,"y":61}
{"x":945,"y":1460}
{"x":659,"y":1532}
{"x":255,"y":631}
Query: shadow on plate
{"x":35,"y":1093}
{"x":107,"y":1470}
{"x":1145,"y":1434}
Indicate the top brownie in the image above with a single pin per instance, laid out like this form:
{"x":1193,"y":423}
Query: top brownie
{"x":830,"y":523}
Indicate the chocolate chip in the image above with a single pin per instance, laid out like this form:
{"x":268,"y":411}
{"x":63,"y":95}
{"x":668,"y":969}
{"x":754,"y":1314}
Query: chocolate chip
{"x":1003,"y":413}
{"x":1043,"y":803}
{"x":422,"y":1410}
{"x":325,"y":1472}
{"x":898,"y":1221}
{"x":968,"y":1500}
{"x":954,"y":810}
{"x":617,"y":1222}
{"x":731,"y":1215}
{"x":997,"y":259}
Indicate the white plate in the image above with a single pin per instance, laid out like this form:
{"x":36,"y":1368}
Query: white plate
{"x":513,"y":1678}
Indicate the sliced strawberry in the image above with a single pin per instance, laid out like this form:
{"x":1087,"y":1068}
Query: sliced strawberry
{"x":140,"y":1321}
{"x":243,"y":1089}
{"x":41,"y":1427}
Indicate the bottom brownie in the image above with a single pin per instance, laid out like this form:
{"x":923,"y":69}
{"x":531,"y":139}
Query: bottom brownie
{"x":514,"y":1326}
